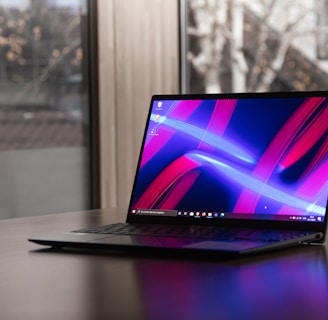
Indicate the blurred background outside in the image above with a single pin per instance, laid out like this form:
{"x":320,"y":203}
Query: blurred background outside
{"x":255,"y":45}
{"x":226,"y":46}
{"x":44,"y":118}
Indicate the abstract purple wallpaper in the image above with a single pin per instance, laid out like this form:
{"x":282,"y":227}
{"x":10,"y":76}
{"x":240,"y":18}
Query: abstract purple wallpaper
{"x":263,"y":156}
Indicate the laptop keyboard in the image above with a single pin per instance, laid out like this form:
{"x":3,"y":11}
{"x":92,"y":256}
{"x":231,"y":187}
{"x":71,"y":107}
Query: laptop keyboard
{"x":195,"y":232}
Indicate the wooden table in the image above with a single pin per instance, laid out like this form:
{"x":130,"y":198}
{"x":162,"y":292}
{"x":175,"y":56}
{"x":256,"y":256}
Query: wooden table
{"x":37,"y":283}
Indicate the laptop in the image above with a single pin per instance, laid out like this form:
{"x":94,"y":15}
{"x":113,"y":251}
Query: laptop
{"x":224,"y":174}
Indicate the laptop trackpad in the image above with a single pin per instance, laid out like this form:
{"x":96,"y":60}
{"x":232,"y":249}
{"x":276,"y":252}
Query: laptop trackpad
{"x":225,"y":245}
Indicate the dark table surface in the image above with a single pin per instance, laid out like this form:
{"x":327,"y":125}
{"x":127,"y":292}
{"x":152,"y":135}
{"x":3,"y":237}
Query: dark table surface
{"x":38,"y":283}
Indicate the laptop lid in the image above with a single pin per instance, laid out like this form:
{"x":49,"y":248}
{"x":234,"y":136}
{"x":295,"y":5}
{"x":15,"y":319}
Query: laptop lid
{"x":246,"y":159}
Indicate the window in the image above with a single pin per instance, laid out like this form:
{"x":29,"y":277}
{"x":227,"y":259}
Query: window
{"x":45,"y":114}
{"x":258,"y":45}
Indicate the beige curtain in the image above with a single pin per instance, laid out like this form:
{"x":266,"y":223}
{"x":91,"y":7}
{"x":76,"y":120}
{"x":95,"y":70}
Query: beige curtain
{"x":138,"y":57}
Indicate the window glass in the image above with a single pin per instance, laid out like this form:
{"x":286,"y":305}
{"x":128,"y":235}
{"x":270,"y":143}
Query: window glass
{"x":258,"y":45}
{"x":44,"y":103}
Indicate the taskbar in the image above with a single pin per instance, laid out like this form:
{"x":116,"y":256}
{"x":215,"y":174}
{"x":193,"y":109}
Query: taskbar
{"x":226,"y":215}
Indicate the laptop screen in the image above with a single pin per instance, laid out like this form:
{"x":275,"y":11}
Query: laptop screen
{"x":244,"y":156}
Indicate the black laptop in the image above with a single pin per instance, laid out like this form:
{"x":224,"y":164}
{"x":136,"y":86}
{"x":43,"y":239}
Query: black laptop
{"x":224,"y":173}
